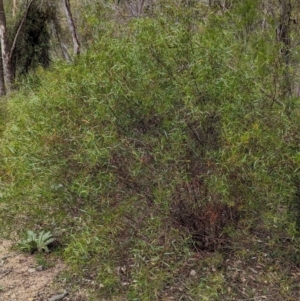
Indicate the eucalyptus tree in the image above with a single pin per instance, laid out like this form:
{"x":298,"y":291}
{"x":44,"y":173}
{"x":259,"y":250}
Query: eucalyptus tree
{"x":72,"y":26}
{"x":284,"y":37}
{"x":25,"y":40}
{"x":8,"y":48}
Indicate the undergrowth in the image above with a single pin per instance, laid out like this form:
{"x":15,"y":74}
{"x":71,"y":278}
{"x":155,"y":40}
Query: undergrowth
{"x":154,"y":155}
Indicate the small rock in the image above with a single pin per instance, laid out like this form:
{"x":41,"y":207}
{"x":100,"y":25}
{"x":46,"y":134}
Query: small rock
{"x":193,"y":273}
{"x":39,"y":268}
{"x":31,"y":270}
{"x":58,"y":297}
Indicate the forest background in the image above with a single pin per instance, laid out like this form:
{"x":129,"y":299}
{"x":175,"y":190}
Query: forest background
{"x":158,"y":141}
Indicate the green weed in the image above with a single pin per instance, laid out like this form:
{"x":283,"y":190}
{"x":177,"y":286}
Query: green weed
{"x":36,"y":242}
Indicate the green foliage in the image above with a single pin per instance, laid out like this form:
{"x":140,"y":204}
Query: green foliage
{"x":95,"y":19}
{"x":34,"y":242}
{"x":166,"y":138}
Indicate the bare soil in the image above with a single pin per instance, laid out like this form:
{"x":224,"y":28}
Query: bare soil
{"x":23,"y":279}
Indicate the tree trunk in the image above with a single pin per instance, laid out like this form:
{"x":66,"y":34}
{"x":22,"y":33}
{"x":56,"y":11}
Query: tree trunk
{"x":2,"y":84}
{"x":14,"y":10}
{"x":13,"y":46}
{"x":284,"y":29}
{"x":5,"y":50}
{"x":72,"y":27}
{"x":284,"y":36}
{"x":63,"y":47}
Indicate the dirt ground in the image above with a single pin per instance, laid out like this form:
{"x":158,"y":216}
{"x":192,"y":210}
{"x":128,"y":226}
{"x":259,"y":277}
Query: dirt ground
{"x":23,"y":279}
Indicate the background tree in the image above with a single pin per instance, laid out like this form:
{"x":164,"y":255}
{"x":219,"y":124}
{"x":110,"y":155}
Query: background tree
{"x":72,"y":27}
{"x":8,"y":48}
{"x":26,"y":43}
{"x":5,"y":52}
{"x":33,"y":46}
{"x":15,"y":7}
{"x":284,"y":37}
